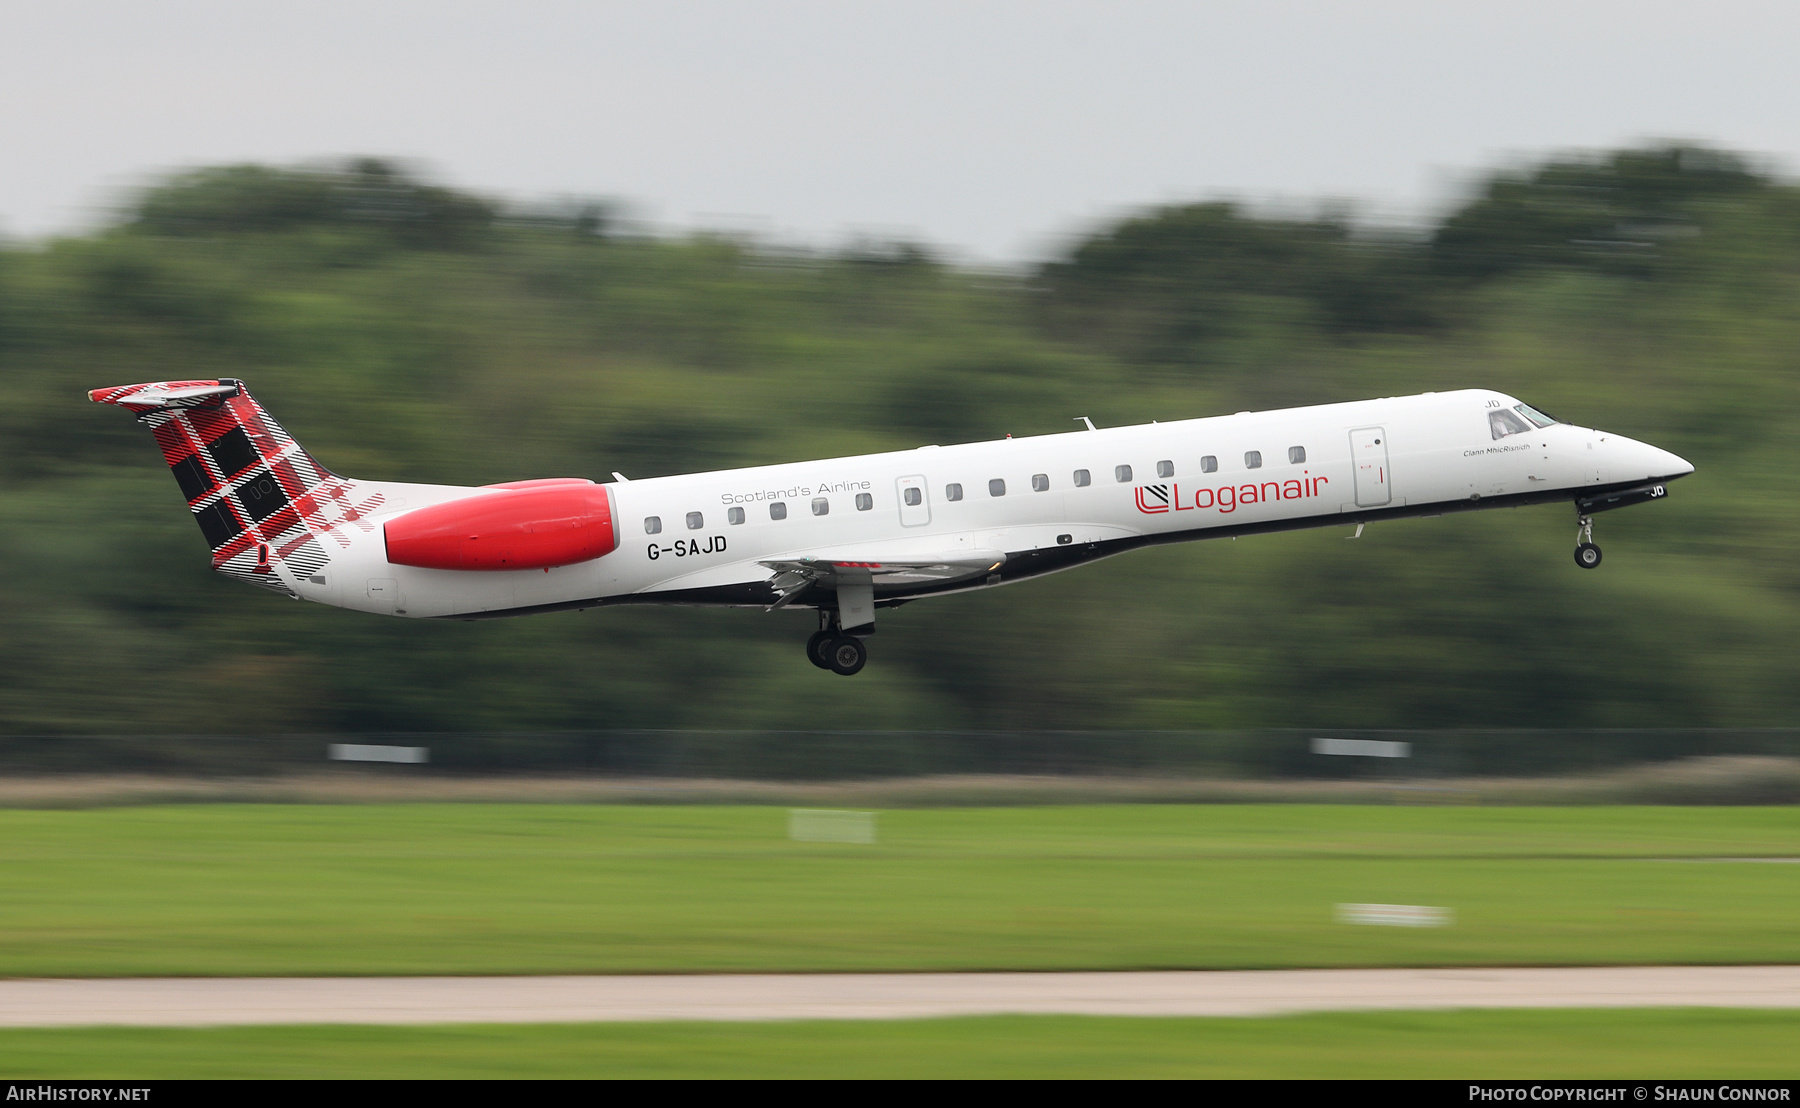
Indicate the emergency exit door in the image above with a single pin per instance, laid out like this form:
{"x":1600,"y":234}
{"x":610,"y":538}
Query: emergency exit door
{"x":1369,"y":452}
{"x":915,"y":505}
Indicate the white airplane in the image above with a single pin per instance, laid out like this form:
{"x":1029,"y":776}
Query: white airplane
{"x":849,"y":535}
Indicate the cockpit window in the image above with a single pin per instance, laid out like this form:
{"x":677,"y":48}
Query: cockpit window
{"x":1503,"y":423}
{"x":1535,"y":416}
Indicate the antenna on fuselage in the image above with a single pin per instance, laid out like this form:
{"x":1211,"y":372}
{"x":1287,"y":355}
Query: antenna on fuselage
{"x":1086,"y":420}
{"x":620,"y":476}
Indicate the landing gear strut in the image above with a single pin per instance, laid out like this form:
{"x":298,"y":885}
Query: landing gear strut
{"x":1587,"y":555}
{"x":829,"y":648}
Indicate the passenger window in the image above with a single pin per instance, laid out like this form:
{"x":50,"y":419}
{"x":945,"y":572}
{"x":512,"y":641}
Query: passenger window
{"x":864,"y":501}
{"x":695,"y":521}
{"x":1209,"y":464}
{"x":1040,"y":482}
{"x":652,"y":525}
{"x":1165,"y":469}
{"x":953,"y":491}
{"x":1503,"y":423}
{"x":997,"y":487}
{"x":1296,"y":455}
{"x":777,"y":510}
{"x":1252,"y":459}
{"x":734,"y":515}
{"x":1122,"y":474}
{"x":821,"y":506}
{"x":914,"y":496}
{"x":1083,"y":479}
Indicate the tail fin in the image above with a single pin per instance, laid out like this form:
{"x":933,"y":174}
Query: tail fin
{"x":260,"y":500}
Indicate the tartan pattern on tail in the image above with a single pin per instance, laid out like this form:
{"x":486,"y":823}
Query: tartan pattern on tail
{"x":260,"y":499}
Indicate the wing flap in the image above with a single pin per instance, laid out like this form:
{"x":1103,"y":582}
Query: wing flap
{"x":792,"y":576}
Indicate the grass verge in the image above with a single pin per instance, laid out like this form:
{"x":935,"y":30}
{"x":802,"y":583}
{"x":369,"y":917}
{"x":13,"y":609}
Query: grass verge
{"x":1642,"y":1044}
{"x":503,"y":889}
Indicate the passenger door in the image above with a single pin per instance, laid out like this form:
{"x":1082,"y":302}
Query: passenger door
{"x":1369,"y":453}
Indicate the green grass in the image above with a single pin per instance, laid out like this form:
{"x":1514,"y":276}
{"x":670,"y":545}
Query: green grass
{"x":410,"y":889}
{"x":1639,"y":1044}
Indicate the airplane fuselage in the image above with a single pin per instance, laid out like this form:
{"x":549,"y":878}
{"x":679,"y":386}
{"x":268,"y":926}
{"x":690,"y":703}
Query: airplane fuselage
{"x":1042,"y":503}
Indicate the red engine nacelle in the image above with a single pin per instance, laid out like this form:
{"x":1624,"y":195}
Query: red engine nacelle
{"x":542,"y":524}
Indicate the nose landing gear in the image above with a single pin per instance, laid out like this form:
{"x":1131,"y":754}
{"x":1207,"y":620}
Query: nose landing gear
{"x":829,"y":648}
{"x":1587,"y":555}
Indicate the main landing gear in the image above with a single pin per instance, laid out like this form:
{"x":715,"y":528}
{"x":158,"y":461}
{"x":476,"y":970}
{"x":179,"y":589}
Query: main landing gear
{"x":1587,"y":555}
{"x":829,"y":648}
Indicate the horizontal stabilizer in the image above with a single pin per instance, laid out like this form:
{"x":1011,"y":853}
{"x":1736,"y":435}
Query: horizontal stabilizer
{"x":165,"y":394}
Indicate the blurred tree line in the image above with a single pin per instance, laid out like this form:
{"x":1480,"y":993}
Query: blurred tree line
{"x":407,"y":331}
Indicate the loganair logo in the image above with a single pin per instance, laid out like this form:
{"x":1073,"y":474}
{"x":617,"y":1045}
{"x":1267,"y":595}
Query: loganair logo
{"x":1153,"y":498}
{"x":1156,"y":499}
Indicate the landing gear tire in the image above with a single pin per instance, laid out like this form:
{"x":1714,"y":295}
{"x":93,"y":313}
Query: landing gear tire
{"x":818,"y":650}
{"x":1587,"y":555}
{"x":848,"y":655}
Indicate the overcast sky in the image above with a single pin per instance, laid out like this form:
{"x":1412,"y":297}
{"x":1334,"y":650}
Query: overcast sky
{"x":989,"y":125}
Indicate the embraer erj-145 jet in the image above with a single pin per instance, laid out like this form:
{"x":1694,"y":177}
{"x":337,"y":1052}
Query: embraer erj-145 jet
{"x":849,"y":535}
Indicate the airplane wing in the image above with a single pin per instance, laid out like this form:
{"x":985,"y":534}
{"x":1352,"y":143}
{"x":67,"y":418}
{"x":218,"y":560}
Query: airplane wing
{"x":794,"y":576}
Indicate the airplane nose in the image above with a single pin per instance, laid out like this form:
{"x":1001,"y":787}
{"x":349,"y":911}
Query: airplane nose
{"x":1650,"y":463}
{"x":1671,"y":465}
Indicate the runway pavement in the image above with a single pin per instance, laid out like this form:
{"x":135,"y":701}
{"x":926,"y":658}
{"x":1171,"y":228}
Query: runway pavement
{"x":197,"y":1002}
